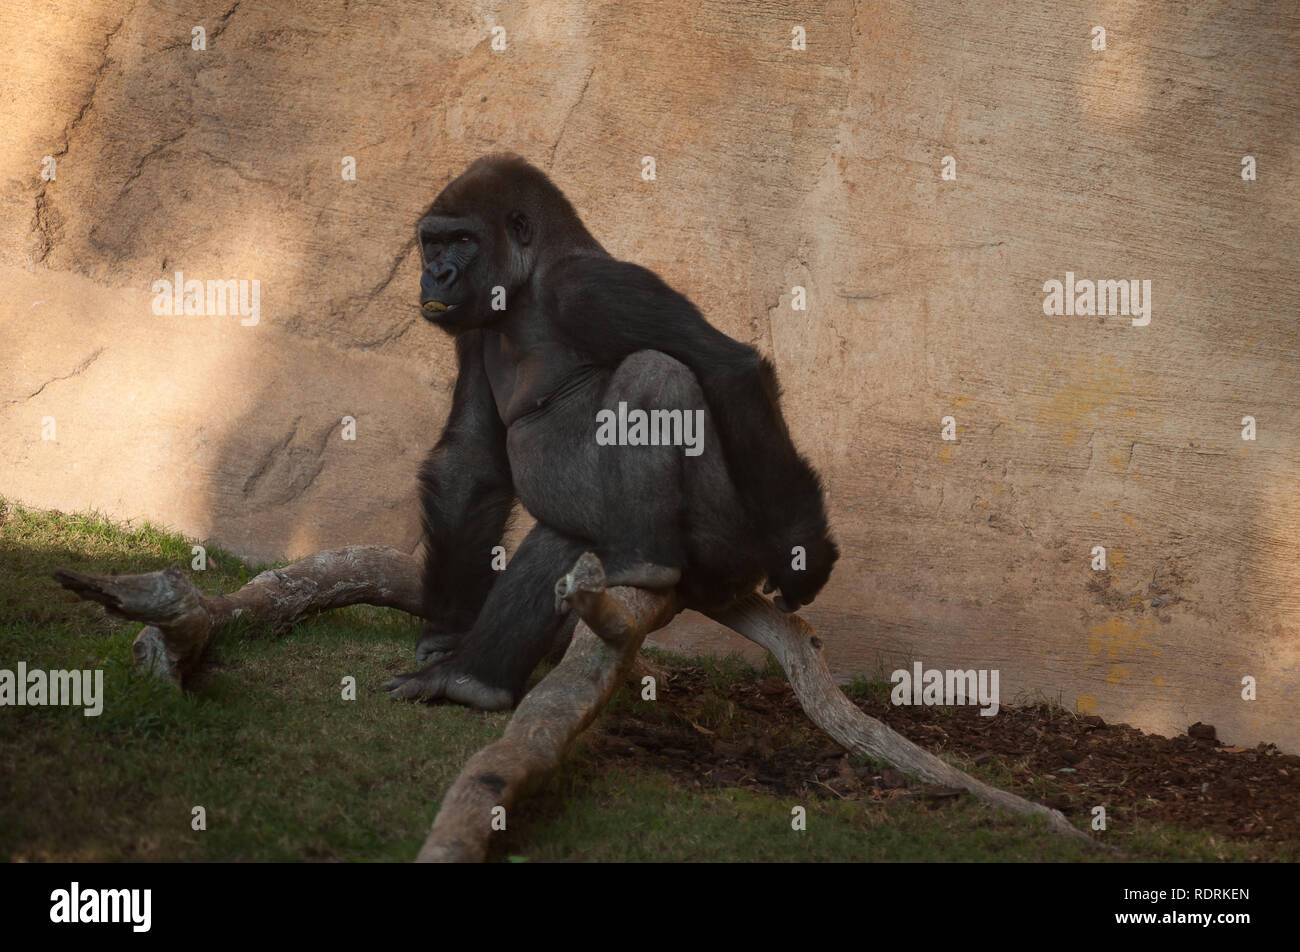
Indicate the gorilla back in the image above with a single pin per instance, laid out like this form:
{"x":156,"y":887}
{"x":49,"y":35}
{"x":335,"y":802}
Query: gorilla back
{"x":602,"y":400}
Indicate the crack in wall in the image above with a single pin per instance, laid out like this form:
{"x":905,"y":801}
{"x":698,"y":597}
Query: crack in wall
{"x":364,"y":299}
{"x":550,"y":162}
{"x":222,"y":22}
{"x":397,"y":332}
{"x":140,"y":163}
{"x":42,"y":223}
{"x":269,"y":457}
{"x":287,"y":469}
{"x":80,"y":368}
{"x":850,"y":295}
{"x":239,"y":173}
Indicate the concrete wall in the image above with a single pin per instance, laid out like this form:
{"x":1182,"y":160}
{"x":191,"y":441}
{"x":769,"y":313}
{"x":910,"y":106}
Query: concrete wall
{"x":775,"y":168}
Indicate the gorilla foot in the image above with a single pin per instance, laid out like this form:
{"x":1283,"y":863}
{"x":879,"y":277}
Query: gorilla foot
{"x":435,"y":646}
{"x":591,"y":574}
{"x":437,"y":681}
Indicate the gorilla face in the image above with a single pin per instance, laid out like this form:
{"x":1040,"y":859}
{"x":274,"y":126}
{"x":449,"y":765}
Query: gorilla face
{"x":450,"y":256}
{"x":474,"y":240}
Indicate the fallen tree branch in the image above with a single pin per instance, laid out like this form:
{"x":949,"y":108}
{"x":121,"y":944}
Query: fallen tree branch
{"x":795,"y":645}
{"x":180,"y":621}
{"x":603,"y":651}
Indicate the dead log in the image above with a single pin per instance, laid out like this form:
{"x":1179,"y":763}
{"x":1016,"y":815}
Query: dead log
{"x":601,"y":655}
{"x":181,"y":623}
{"x":798,"y":650}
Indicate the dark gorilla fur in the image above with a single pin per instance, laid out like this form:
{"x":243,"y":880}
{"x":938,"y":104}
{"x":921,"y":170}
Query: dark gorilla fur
{"x":581,"y":332}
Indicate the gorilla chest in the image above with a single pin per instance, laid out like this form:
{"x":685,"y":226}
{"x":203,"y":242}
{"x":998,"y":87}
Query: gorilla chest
{"x":553,"y":461}
{"x":524,"y":382}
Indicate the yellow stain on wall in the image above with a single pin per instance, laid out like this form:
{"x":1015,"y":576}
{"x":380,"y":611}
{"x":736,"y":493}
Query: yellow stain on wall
{"x":1119,"y":639}
{"x":1158,"y":682}
{"x":1115,"y":557}
{"x":945,"y":455}
{"x":1118,"y":674}
{"x":1119,"y":461}
{"x":1089,"y":390}
{"x":1132,"y":523}
{"x":1086,"y":703}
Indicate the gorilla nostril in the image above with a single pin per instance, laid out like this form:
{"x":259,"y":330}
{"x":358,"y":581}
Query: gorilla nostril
{"x":446,"y":276}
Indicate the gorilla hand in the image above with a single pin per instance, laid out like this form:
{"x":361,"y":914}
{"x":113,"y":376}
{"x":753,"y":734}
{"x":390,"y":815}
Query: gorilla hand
{"x":801,"y":575}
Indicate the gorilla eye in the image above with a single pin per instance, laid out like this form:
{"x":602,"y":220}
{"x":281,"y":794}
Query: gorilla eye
{"x":462,"y":237}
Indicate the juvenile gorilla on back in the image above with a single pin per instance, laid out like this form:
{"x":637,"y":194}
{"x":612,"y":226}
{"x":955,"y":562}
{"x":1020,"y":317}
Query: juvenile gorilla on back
{"x":579,"y":333}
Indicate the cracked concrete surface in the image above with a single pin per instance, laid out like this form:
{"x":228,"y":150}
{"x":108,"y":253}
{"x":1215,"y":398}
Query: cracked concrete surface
{"x":775,"y":169}
{"x":80,"y":368}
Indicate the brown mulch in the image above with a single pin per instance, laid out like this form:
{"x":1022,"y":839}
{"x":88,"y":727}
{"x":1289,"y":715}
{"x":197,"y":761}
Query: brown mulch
{"x":753,"y":734}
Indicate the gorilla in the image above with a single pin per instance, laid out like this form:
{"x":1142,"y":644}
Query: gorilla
{"x":555,"y":339}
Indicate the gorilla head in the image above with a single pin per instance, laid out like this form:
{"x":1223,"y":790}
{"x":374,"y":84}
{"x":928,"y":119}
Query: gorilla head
{"x":490,"y":229}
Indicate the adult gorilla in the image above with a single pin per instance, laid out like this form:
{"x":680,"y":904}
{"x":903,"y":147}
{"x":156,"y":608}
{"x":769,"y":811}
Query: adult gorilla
{"x":550,"y":330}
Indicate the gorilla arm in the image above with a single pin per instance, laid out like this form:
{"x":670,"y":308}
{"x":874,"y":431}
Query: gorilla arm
{"x":466,"y":495}
{"x":608,"y":309}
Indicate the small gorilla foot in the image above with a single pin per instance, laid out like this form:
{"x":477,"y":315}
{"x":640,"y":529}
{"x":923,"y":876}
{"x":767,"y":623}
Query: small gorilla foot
{"x":438,"y":681}
{"x":590,"y":574}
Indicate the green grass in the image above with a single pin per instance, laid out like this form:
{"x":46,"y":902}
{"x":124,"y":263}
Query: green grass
{"x":591,"y":814}
{"x":286,"y":769}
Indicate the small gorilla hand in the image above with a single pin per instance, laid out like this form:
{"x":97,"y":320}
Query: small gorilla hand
{"x":799,"y":586}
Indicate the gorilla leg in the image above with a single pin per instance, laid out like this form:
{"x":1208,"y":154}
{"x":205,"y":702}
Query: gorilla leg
{"x":656,"y":516}
{"x":671,"y":518}
{"x":643,"y":488}
{"x":489,"y":667}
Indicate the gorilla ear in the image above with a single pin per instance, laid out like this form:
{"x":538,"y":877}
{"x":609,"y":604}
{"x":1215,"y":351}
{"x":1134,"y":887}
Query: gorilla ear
{"x":522,"y":227}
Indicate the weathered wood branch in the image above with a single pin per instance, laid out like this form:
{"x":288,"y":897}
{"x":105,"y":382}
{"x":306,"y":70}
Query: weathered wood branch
{"x":180,"y":621}
{"x":797,"y":648}
{"x":603,"y":652}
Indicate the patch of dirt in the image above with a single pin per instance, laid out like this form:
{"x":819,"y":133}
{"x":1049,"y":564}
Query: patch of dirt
{"x":753,"y":734}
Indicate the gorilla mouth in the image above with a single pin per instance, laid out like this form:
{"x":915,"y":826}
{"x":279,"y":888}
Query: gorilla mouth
{"x":436,"y":307}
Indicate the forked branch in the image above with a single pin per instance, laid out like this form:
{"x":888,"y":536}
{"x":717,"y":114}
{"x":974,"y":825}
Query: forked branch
{"x":181,"y":623}
{"x":603,"y":651}
{"x":799,"y":651}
